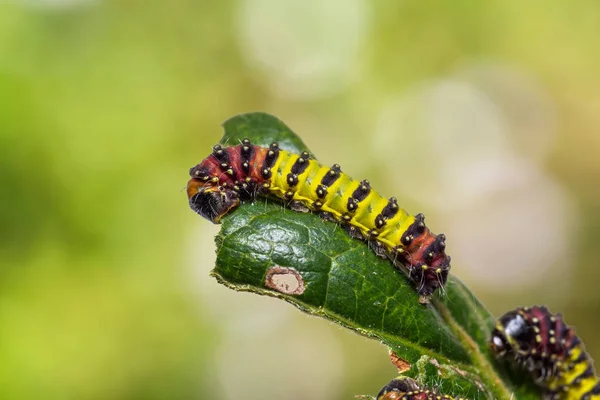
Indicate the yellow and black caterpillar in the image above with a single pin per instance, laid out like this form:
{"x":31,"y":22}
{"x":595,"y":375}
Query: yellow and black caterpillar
{"x":408,"y":389}
{"x":542,"y":342}
{"x":234,"y":173}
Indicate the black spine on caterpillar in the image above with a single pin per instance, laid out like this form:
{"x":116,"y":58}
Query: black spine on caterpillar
{"x":549,"y":349}
{"x":231,"y":174}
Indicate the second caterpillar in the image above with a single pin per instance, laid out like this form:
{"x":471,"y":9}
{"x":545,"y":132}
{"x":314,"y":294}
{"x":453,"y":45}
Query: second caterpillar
{"x":235,"y":173}
{"x":404,"y":388}
{"x":544,"y":344}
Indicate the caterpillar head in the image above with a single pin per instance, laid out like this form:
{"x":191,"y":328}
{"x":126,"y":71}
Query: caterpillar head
{"x":512,"y":335}
{"x":397,"y":389}
{"x":211,"y":200}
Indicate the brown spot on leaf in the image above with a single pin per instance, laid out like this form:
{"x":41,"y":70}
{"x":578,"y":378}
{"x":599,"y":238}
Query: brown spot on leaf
{"x":399,"y":363}
{"x":285,"y":280}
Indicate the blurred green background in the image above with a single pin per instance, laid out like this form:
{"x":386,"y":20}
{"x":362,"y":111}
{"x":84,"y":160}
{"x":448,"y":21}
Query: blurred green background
{"x":483,"y":115}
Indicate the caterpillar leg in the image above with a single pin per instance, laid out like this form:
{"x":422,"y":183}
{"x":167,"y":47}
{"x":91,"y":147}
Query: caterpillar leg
{"x":376,"y":246}
{"x":353,"y":232}
{"x":379,"y":249}
{"x":327,"y":216}
{"x":298,"y":206}
{"x":426,"y":279}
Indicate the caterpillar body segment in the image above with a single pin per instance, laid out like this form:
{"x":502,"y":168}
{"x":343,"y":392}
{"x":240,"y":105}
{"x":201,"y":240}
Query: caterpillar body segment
{"x":550,"y":350}
{"x":235,"y":173}
{"x":408,"y":389}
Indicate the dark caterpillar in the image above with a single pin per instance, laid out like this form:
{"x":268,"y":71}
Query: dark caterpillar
{"x":235,"y":173}
{"x":542,"y":342}
{"x":408,"y":389}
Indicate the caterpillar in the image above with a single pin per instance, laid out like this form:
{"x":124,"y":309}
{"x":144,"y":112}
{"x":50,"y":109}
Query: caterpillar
{"x":550,"y":350}
{"x":244,"y":171}
{"x":408,"y":389}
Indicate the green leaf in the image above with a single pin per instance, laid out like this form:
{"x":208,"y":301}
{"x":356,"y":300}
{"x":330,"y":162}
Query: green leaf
{"x":268,"y":249}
